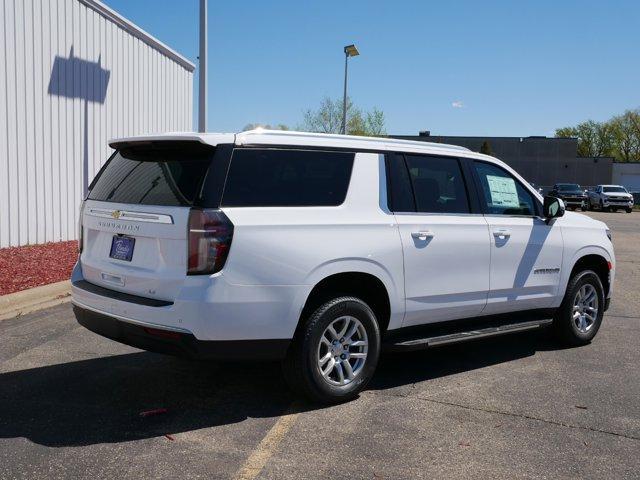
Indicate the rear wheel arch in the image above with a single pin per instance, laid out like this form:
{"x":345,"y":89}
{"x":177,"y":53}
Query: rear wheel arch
{"x":365,"y":286}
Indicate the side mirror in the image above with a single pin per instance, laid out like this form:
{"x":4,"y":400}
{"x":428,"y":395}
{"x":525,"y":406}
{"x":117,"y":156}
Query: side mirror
{"x":553,"y":207}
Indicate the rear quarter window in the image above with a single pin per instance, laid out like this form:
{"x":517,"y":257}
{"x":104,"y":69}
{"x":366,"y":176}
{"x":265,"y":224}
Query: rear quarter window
{"x":287,"y":178}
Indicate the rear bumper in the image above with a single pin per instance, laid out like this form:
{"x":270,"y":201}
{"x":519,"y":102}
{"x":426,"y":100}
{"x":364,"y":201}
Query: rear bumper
{"x":207,"y":307}
{"x":184,"y":344}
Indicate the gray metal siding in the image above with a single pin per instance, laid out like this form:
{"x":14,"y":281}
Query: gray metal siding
{"x":73,"y":74}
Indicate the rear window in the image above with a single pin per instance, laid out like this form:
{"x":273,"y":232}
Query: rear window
{"x":166,"y":175}
{"x":287,"y":178}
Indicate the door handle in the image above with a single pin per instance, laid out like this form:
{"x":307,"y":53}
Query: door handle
{"x":422,"y":234}
{"x":502,"y":232}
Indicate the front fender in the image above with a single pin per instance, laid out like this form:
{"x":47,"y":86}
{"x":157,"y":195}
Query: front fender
{"x":583,"y":252}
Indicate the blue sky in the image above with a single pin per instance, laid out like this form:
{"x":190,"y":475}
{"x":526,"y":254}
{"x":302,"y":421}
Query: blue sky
{"x":455,"y":68}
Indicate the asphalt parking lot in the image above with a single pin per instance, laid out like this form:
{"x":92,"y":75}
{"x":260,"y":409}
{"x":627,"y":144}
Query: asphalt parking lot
{"x":514,"y":407}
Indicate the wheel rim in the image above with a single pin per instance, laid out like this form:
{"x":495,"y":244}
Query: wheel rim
{"x":342,"y":351}
{"x":585,"y":308}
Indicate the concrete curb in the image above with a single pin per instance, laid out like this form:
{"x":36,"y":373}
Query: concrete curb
{"x":33,"y":299}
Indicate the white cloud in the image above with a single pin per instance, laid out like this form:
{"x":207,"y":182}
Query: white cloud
{"x":457,"y":104}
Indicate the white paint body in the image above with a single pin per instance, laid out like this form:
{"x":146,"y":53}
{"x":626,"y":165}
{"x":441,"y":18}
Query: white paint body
{"x":278,"y":254}
{"x":115,"y":80}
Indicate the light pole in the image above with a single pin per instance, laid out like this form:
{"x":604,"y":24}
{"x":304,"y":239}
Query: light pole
{"x":349,"y":51}
{"x":202,"y":73}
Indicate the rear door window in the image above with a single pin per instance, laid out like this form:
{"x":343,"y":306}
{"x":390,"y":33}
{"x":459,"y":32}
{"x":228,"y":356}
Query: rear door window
{"x":438,"y":185}
{"x":169,"y":175}
{"x":287,"y":178}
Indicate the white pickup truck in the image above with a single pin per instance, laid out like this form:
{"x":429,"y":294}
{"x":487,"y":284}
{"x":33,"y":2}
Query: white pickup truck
{"x":610,"y":197}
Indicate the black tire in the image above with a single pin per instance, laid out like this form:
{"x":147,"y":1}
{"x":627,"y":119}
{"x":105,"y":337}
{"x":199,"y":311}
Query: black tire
{"x":565,"y":328}
{"x":614,"y":209}
{"x":584,"y":209}
{"x":301,"y":365}
{"x":629,"y":210}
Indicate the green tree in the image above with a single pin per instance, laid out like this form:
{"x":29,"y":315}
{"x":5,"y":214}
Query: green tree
{"x":626,"y":132}
{"x":618,"y":137}
{"x":566,"y":132}
{"x":328,"y":119}
{"x":486,"y":148}
{"x":374,"y":123}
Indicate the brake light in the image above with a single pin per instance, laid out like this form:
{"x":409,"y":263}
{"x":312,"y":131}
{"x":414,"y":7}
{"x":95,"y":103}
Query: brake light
{"x":210,"y":234}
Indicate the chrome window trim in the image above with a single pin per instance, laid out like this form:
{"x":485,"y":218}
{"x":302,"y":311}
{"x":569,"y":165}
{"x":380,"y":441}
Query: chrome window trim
{"x":439,"y":214}
{"x":130,"y":216}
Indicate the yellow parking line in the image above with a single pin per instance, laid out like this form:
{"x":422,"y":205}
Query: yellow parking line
{"x":267,"y":447}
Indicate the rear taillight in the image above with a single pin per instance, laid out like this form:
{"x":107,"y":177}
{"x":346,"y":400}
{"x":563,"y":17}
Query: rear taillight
{"x":210,"y":234}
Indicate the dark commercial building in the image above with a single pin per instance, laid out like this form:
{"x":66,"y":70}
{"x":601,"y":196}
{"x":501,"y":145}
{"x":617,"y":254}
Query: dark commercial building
{"x":541,"y":160}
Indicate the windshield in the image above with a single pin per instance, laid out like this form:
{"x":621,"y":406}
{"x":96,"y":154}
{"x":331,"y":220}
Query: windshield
{"x":567,"y":187}
{"x":614,"y":189}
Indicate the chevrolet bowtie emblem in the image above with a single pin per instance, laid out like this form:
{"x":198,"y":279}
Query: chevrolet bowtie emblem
{"x":116,"y":214}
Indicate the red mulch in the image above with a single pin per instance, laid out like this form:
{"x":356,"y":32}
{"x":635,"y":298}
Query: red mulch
{"x":34,"y":265}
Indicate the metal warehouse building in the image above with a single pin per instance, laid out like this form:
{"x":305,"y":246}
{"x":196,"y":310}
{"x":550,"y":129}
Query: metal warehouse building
{"x":73,"y":74}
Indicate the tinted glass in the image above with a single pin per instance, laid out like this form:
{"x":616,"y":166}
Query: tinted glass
{"x":438,"y":185}
{"x":287,"y":178}
{"x":167,"y":176}
{"x":614,"y":190}
{"x":400,"y":194}
{"x":503,"y":194}
{"x":568,"y":187}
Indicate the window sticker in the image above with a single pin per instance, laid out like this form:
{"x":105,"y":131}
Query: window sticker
{"x":503,"y":191}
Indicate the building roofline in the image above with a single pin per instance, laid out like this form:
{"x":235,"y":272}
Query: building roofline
{"x":137,"y":32}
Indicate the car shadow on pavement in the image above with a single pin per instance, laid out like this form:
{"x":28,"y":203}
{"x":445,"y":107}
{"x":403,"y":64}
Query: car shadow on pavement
{"x":398,"y":369}
{"x":100,"y":400}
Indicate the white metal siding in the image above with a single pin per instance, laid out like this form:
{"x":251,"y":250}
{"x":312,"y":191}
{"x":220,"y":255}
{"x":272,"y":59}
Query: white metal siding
{"x":628,"y":175}
{"x":53,"y":121}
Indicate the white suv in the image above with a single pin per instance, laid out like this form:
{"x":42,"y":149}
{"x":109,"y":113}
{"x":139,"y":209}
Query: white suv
{"x":321,"y":250}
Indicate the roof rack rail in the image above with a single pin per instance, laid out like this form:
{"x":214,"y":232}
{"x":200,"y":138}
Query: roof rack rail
{"x":386,"y":141}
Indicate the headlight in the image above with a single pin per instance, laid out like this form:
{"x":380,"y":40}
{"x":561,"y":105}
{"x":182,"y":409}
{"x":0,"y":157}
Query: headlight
{"x":609,"y":235}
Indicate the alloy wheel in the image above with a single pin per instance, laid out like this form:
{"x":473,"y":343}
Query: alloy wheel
{"x":585,"y":308}
{"x":342,"y":351}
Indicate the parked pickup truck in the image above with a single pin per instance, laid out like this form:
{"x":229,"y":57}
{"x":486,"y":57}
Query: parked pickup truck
{"x":610,"y":197}
{"x":572,"y":194}
{"x":321,"y":250}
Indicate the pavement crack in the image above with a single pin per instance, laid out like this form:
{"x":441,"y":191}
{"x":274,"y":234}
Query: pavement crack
{"x":513,"y":414}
